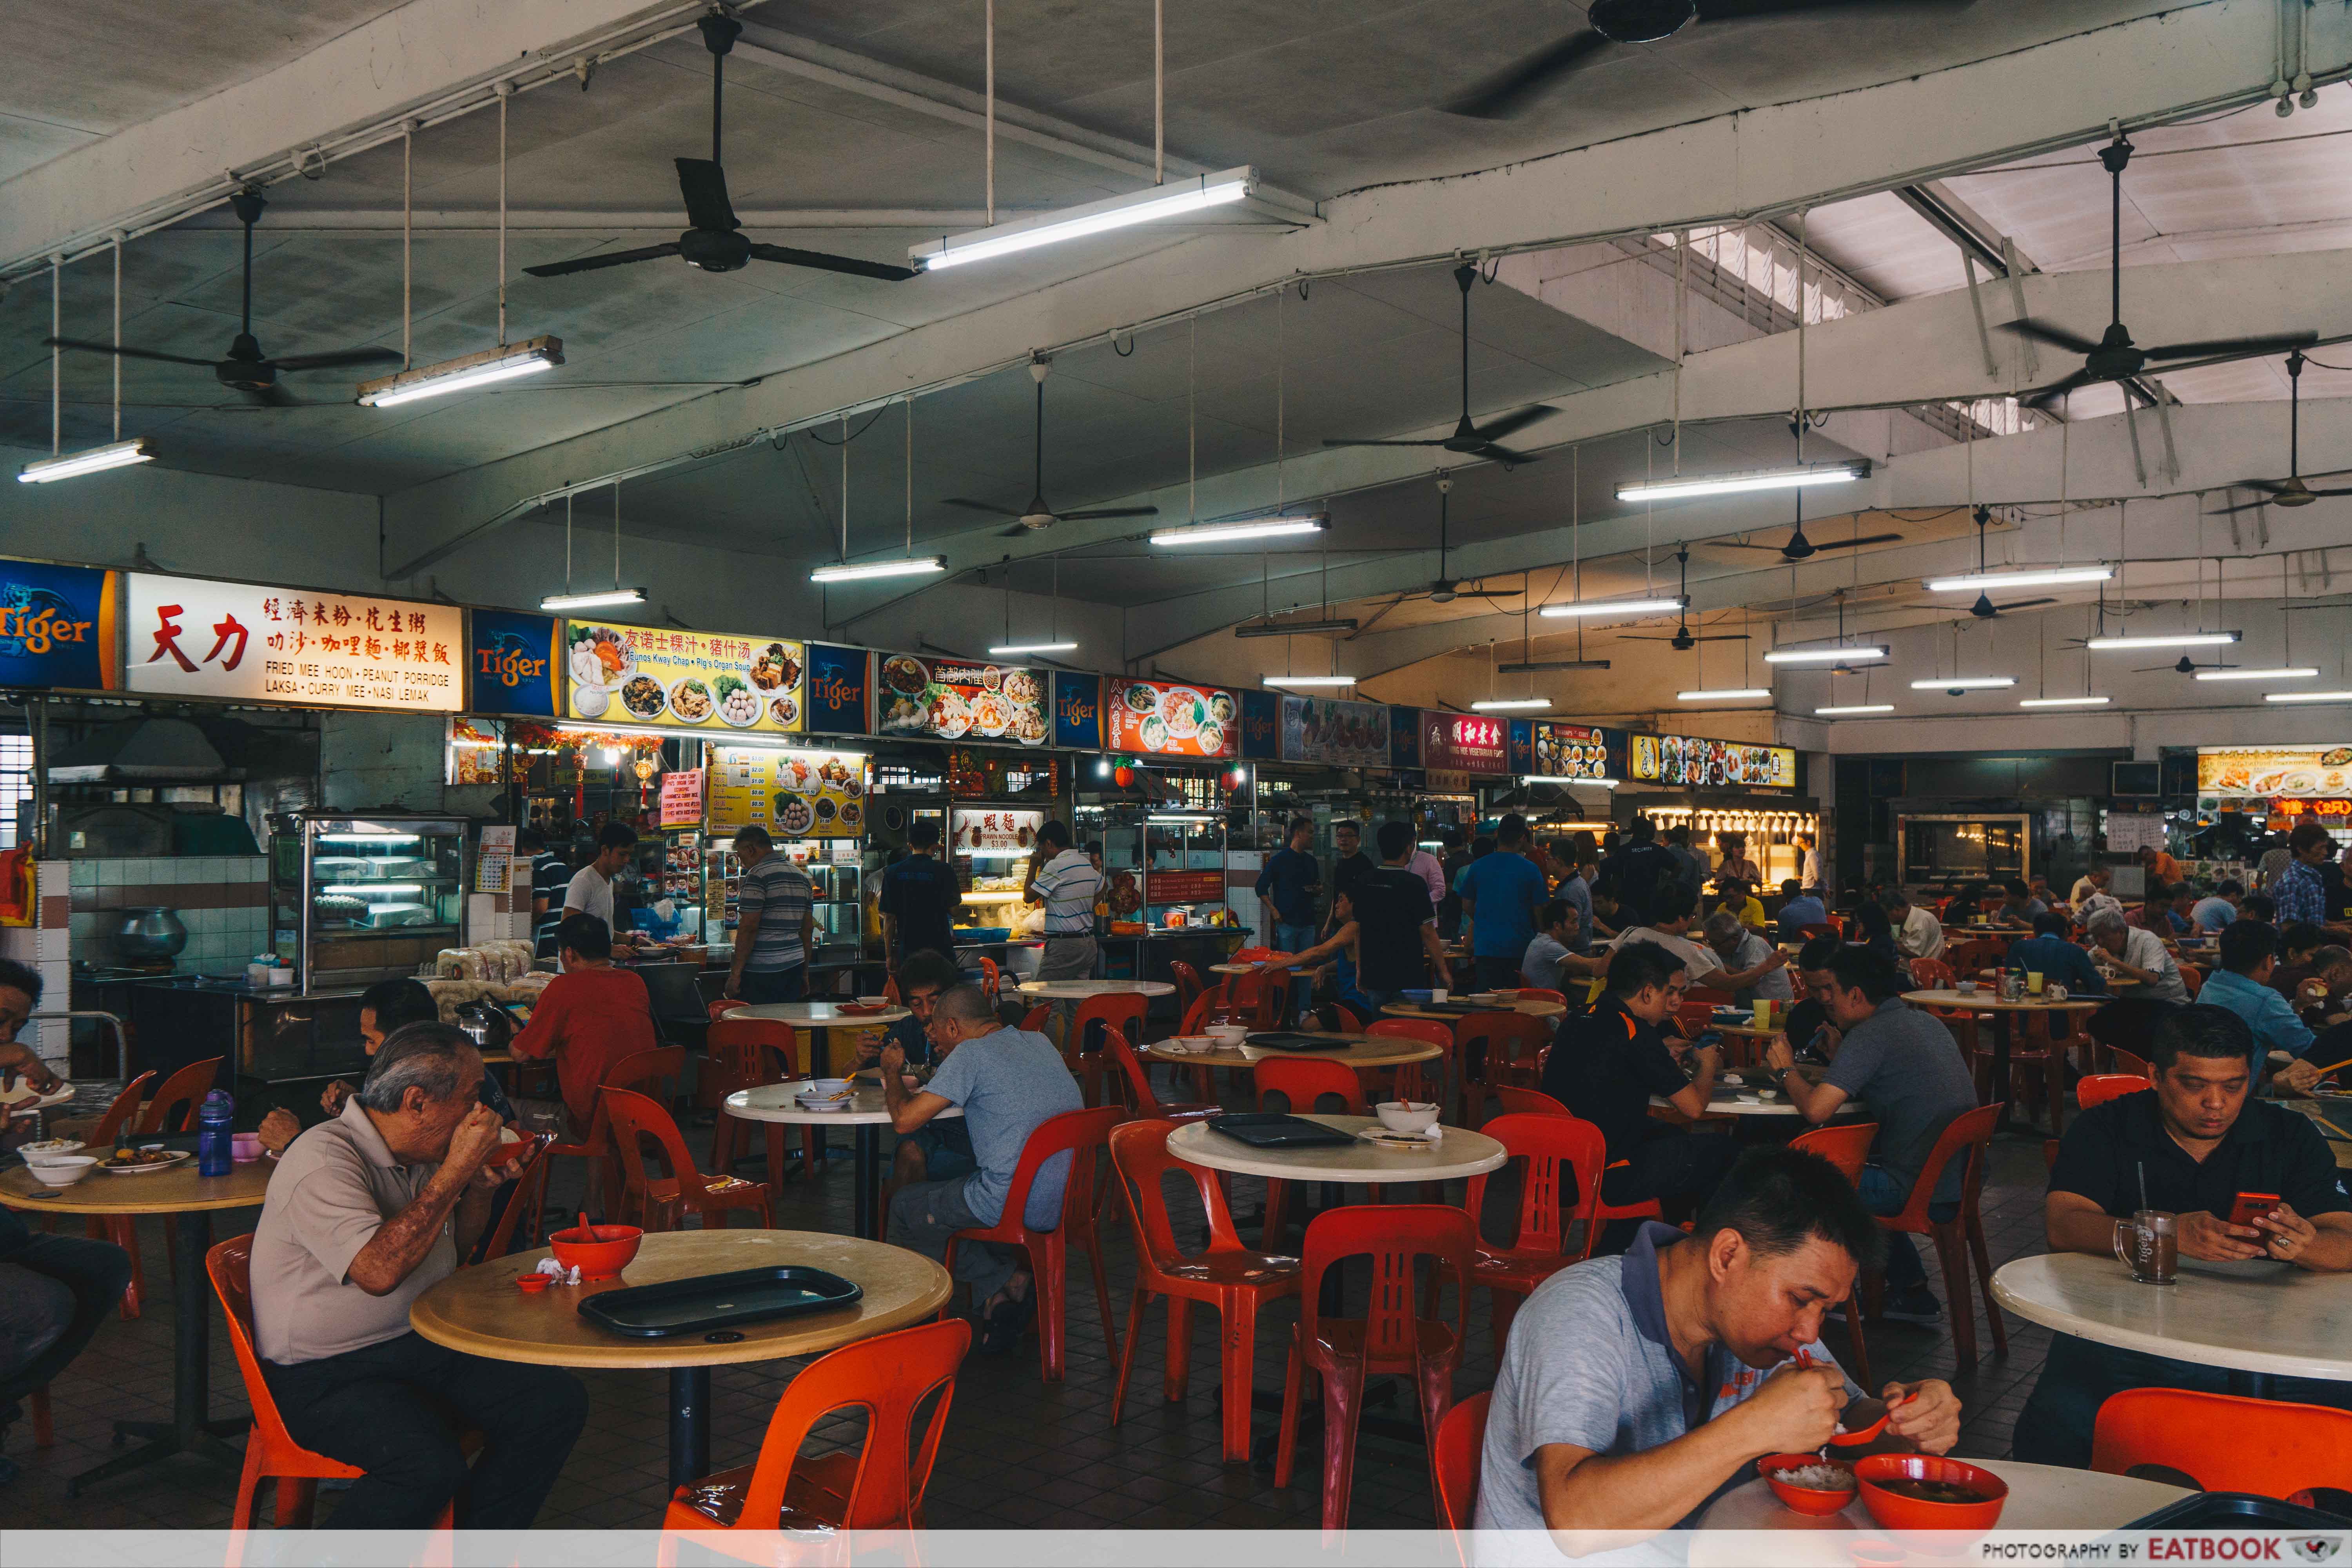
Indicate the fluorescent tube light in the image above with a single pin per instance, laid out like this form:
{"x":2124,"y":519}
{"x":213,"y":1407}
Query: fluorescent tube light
{"x":2308,"y":696}
{"x":1032,"y":647}
{"x":1557,"y":779}
{"x":504,"y":363}
{"x":2063,"y":701}
{"x":1965,"y":683}
{"x":1729,"y":694}
{"x":1757,"y":479}
{"x":2165,"y":639}
{"x":1582,"y":610}
{"x":2305,"y":673}
{"x":1163,"y":201}
{"x":1544,"y":665}
{"x":93,"y":460}
{"x":1252,"y":528}
{"x":1510,"y":704}
{"x":374,"y":887}
{"x":1307,"y":680}
{"x":591,"y":601}
{"x":2023,"y":578}
{"x":1285,"y":628}
{"x":1857,"y":652}
{"x":860,"y":571}
{"x":1839,"y":711}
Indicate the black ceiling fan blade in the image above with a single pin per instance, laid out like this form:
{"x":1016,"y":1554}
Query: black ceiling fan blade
{"x":1504,"y":455}
{"x":1342,"y":441}
{"x":272,"y":397}
{"x":1507,"y":92}
{"x":2055,"y":337}
{"x":1511,"y":423}
{"x":820,"y":261}
{"x":598,"y":263}
{"x":1856,"y":544}
{"x":2022,"y":604}
{"x":1746,"y":10}
{"x":1107,"y":511}
{"x":979,"y":506}
{"x":2249,"y":347}
{"x":125,"y":350}
{"x":2057,"y":390}
{"x":2243,"y":506}
{"x":1695,"y":636}
{"x":337,"y":359}
{"x":2333,"y":492}
{"x":703,"y":184}
{"x":1015,"y":532}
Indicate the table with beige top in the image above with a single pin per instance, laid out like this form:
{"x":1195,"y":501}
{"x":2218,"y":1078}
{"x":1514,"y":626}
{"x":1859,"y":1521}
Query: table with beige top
{"x":480,"y":1312}
{"x":866,"y":1113}
{"x":1989,"y":1001}
{"x":2041,"y":1497}
{"x":1532,"y":1008}
{"x":1079,"y":990}
{"x":2311,"y":1109}
{"x":191,"y":1200}
{"x":821,"y":1018}
{"x":1355,"y":1051}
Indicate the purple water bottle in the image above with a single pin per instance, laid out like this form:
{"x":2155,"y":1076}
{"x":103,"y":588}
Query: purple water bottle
{"x":214,"y":1154}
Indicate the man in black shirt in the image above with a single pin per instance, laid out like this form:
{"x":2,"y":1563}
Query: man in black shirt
{"x":1606,"y":1064}
{"x":941,"y":1147}
{"x":1637,"y":870}
{"x":2197,"y":1141}
{"x":551,"y":876}
{"x":1809,"y":1026}
{"x":1388,"y":928}
{"x":1348,"y":837}
{"x":920,"y":895}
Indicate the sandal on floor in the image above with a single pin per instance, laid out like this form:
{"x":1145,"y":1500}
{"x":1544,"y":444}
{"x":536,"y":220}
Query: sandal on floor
{"x":1000,"y":1331}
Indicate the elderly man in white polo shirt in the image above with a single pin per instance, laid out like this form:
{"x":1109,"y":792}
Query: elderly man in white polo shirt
{"x":1068,"y":884}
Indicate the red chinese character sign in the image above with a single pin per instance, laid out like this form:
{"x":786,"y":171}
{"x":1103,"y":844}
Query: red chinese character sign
{"x":1463,"y":743}
{"x":189,"y":636}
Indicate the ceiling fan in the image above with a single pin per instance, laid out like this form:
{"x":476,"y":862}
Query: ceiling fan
{"x":2290,"y":490}
{"x":1444,"y":590}
{"x":245,"y":369}
{"x":1984,"y":610}
{"x":1683,"y":640}
{"x":2115,"y":357}
{"x":1472,"y":440}
{"x":715,"y":241}
{"x":1511,"y":90}
{"x":1798,"y":547}
{"x":1037,"y":514}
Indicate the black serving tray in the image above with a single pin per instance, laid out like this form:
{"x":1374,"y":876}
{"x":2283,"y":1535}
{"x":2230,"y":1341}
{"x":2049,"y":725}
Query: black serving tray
{"x":1291,"y":1040}
{"x":1272,"y":1130}
{"x":2238,"y":1510}
{"x":716,"y":1302}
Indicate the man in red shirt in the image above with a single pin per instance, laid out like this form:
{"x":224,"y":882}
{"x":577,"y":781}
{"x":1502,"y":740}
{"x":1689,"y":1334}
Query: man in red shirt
{"x":589,"y":1018}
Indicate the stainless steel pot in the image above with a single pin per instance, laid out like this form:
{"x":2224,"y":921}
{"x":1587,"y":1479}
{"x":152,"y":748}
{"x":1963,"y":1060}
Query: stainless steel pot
{"x":150,"y":935}
{"x":490,"y":1026}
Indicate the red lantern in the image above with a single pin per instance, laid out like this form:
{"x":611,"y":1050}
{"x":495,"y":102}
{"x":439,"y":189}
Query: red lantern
{"x":1123,"y":776}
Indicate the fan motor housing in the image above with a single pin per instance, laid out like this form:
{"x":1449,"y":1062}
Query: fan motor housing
{"x":1639,"y":21}
{"x":715,"y":250}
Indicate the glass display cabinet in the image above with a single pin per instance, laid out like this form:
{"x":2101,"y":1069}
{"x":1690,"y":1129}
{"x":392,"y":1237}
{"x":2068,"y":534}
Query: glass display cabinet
{"x":357,"y":898}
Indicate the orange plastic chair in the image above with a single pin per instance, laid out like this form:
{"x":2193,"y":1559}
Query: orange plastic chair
{"x":879,"y":1486}
{"x":1461,"y":1442}
{"x":2123,"y":1062}
{"x":1188,"y":984}
{"x":1140,"y":1099}
{"x":659,"y":1202}
{"x":1518,"y":1101}
{"x":180,"y":1098}
{"x":1208,"y":1008}
{"x":1540,"y":994}
{"x":528,"y":1200}
{"x":1225,"y":1275}
{"x":270,"y":1451}
{"x":747,"y":1053}
{"x":1391,"y":1339}
{"x":1082,"y":1047}
{"x":1303,"y":1082}
{"x":1960,"y":1238}
{"x":1261,"y":998}
{"x":2098,"y":1088}
{"x":991,"y":980}
{"x":1083,"y":1135}
{"x":1708,"y":996}
{"x":2193,"y":979}
{"x":2222,"y":1441}
{"x":1559,"y":1186}
{"x":1846,"y":1146}
{"x":1498,"y":1047}
{"x":595,"y":1146}
{"x":1426,"y":1082}
{"x":120,"y":1230}
{"x":1036,"y":1018}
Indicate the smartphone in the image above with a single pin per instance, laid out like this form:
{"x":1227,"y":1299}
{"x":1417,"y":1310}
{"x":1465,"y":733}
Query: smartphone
{"x":2249,"y":1206}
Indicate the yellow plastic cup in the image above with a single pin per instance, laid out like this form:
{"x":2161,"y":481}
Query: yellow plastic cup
{"x":1763,"y":1014}
{"x":2034,"y":980}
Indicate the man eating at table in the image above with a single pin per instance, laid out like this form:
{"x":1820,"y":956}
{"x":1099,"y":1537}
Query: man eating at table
{"x":1636,"y":1390}
{"x":1738,"y":948}
{"x":2136,"y":954}
{"x":1671,"y":911}
{"x":2049,"y":953}
{"x":365,"y":1215}
{"x":384,"y":1008}
{"x":2187,"y":1147}
{"x":940,"y":1149}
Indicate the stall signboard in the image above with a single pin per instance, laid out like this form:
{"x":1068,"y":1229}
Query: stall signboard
{"x":681,"y":798}
{"x":191,"y":636}
{"x":956,"y":700}
{"x":57,"y":627}
{"x":510,"y":662}
{"x":2333,"y":809}
{"x":2244,"y":772}
{"x":1077,"y":713}
{"x":1700,"y":763}
{"x":478,"y":752}
{"x":1162,"y":718}
{"x":791,"y":793}
{"x":1341,"y":734}
{"x":837,"y":685}
{"x":1577,"y":751}
{"x":1262,"y":726}
{"x":996,"y":832}
{"x":1404,"y":737}
{"x":1184,"y":887}
{"x":1523,"y":745}
{"x":1463,"y":743}
{"x":654,"y":675}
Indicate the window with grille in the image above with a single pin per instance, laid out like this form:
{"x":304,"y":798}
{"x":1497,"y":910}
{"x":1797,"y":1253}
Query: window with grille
{"x":16,"y":783}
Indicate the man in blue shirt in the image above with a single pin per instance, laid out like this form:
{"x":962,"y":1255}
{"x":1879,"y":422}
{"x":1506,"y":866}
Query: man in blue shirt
{"x":1500,"y":895}
{"x":2242,"y":985}
{"x":1288,"y":884}
{"x":2217,"y":910}
{"x":2300,"y":893}
{"x":2048,"y":953}
{"x":1799,"y":909}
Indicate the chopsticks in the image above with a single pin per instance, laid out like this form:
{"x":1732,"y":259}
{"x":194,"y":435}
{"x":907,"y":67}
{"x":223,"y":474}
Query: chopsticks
{"x":2331,"y":1067}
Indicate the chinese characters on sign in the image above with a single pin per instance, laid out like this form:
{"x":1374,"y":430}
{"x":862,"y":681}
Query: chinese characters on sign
{"x":794,"y":794}
{"x":648,"y":674}
{"x":193,"y":637}
{"x":1463,"y":742}
{"x":999,"y":833}
{"x":1169,"y":721}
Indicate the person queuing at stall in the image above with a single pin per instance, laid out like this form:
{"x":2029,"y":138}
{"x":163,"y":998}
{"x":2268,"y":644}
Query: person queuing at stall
{"x":2301,"y":891}
{"x":2218,"y":907}
{"x":1634,"y":1391}
{"x":1900,"y":1062}
{"x":2138,"y":955}
{"x":919,"y":898}
{"x":2241,"y":986}
{"x":1917,"y":933}
{"x":1500,"y":895}
{"x":365,"y":1215}
{"x":1670,"y":929}
{"x":1288,"y":883}
{"x":1387,"y":931}
{"x":775,"y":927}
{"x":2019,"y":907}
{"x":55,"y":1290}
{"x":1638,"y":869}
{"x":589,"y":1018}
{"x":1799,"y":909}
{"x":590,"y":891}
{"x":1347,"y":843}
{"x":1735,"y":862}
{"x":942,"y":1148}
{"x":1737,"y":950}
{"x":2297,"y":949}
{"x":2052,"y":953}
{"x":2187,"y":1147}
{"x":1690,"y":866}
{"x":1009,"y":1083}
{"x":384,"y":1006}
{"x":1432,"y":872}
{"x":551,"y":878}
{"x":1605,"y":1064}
{"x":1734,"y":897}
{"x":2158,"y":867}
{"x":1809,"y":866}
{"x":1556,"y":939}
{"x":1069,"y":885}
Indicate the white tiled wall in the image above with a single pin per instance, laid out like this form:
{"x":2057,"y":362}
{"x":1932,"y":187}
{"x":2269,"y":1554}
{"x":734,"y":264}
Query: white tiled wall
{"x":219,"y":939}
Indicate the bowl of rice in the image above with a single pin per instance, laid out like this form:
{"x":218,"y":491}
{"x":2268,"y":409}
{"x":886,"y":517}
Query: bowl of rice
{"x":1807,"y":1483}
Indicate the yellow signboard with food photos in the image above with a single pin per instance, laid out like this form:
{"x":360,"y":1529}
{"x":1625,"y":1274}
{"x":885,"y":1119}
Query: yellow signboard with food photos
{"x":793,"y":794}
{"x":654,"y":675}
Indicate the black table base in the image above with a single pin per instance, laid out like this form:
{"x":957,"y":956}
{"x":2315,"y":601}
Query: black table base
{"x":689,"y":1425}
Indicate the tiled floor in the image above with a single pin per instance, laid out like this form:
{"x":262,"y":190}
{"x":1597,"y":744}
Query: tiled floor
{"x":1017,"y":1452}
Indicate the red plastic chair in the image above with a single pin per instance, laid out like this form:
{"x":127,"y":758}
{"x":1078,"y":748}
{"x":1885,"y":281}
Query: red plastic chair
{"x":1559,"y":1187}
{"x":528,"y":1202}
{"x":1225,"y":1275}
{"x":1120,"y":1010}
{"x":1303,"y":1082}
{"x":1461,"y":1443}
{"x":1541,"y":993}
{"x":1187,"y":980}
{"x":1083,"y":1134}
{"x":2123,"y":1062}
{"x":179,"y":1100}
{"x":880,"y":1486}
{"x":1261,"y":998}
{"x":1036,"y":1018}
{"x":120,"y":1230}
{"x":749,"y":1053}
{"x":1528,"y":1102}
{"x":595,"y":1146}
{"x":1392,"y":1339}
{"x":991,"y":980}
{"x":660,"y":1201}
{"x":1140,"y":1100}
{"x":270,"y":1451}
{"x":1428,"y":1080}
{"x":1846,"y":1146}
{"x":1498,"y":1047}
{"x":2098,"y":1088}
{"x":1960,"y":1238}
{"x":2224,"y":1442}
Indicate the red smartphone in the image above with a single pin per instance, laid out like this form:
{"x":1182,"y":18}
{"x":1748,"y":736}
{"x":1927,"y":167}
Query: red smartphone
{"x":2252,"y":1205}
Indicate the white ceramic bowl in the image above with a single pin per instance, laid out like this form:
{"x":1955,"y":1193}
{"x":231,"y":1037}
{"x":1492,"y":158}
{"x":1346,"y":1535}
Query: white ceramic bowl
{"x":873,"y":1000}
{"x":60,"y":1170}
{"x":1228,"y":1035}
{"x":825,"y":1085}
{"x":1188,"y":1045}
{"x":1406,"y":1116}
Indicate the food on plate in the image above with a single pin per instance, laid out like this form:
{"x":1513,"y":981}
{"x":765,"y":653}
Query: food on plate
{"x":1021,"y":687}
{"x":852,"y":785}
{"x":737,"y":704}
{"x":785,"y":710}
{"x":990,"y":715}
{"x":1221,"y":708}
{"x":2339,"y":757}
{"x":643,"y":696}
{"x":1154,"y":733}
{"x":851,"y":813}
{"x":1140,"y":699}
{"x":1213,"y":737}
{"x":906,"y":675}
{"x":793,"y":773}
{"x":776,"y":669}
{"x":1029,"y":724}
{"x":691,"y":699}
{"x":135,"y":1158}
{"x":590,"y":702}
{"x":1926,"y":1491}
{"x":950,"y":714}
{"x":598,"y":656}
{"x":991,"y":678}
{"x":40,"y":1147}
{"x":792,"y":815}
{"x":1824,"y":1477}
{"x":825,"y":808}
{"x":1181,"y":710}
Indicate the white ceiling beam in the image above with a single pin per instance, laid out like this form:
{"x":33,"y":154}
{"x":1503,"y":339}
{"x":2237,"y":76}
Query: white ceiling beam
{"x":287,"y":219}
{"x":1730,"y":168}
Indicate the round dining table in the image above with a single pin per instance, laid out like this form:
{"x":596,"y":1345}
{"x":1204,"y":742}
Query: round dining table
{"x":480,"y":1312}
{"x":1458,"y":1153}
{"x":1532,"y":1008}
{"x":1079,"y":990}
{"x":822,"y":1018}
{"x":1989,"y":1001}
{"x":1356,"y":1050}
{"x":867,"y":1113}
{"x":2041,"y":1497}
{"x":191,"y":1200}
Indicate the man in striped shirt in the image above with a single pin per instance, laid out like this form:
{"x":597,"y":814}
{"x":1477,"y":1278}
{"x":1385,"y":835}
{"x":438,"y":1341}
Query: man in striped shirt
{"x":1069,"y":885}
{"x":775,"y":923}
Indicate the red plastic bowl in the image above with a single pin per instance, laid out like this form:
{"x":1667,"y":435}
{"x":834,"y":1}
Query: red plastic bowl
{"x":601,"y":1253}
{"x":1898,"y":1512}
{"x":1801,"y":1499}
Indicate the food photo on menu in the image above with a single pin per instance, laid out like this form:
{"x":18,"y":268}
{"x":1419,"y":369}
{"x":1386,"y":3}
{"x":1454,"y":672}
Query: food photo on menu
{"x":646,"y":675}
{"x":951,"y":700}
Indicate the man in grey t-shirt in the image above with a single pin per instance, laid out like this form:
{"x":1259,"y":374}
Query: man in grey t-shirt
{"x":1634,"y":1390}
{"x":1904,"y":1064}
